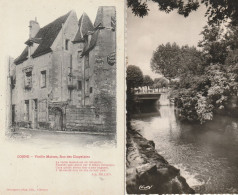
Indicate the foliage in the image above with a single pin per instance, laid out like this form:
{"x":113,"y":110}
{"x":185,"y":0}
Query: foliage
{"x":134,"y":76}
{"x":172,"y":60}
{"x":147,"y":81}
{"x":199,"y":97}
{"x":204,"y":109}
{"x":217,"y":12}
{"x":214,"y":45}
{"x":208,"y":79}
{"x":185,"y":101}
{"x":160,"y":82}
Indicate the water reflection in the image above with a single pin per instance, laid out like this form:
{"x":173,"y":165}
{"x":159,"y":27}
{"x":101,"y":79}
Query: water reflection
{"x":206,"y":154}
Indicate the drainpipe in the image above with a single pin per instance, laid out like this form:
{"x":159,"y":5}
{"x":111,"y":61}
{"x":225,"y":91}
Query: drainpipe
{"x":84,"y":81}
{"x":62,"y":61}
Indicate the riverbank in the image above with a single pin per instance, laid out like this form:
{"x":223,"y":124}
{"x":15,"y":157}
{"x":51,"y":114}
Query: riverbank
{"x":149,"y":172}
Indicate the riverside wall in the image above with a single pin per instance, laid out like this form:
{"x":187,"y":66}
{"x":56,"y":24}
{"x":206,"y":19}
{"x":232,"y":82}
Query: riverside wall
{"x":147,"y":171}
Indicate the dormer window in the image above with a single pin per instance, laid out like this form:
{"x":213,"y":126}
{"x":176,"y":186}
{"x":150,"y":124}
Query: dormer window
{"x":67,"y":44}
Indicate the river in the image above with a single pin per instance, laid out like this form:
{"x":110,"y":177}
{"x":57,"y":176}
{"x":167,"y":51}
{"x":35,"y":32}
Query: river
{"x":207,"y":155}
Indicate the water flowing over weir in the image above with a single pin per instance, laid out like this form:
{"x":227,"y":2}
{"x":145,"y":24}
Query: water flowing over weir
{"x":206,"y":154}
{"x":164,"y":100}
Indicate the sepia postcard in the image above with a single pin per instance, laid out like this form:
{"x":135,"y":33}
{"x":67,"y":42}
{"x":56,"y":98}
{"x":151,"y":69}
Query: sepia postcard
{"x":182,"y":97}
{"x":113,"y":97}
{"x":62,"y":108}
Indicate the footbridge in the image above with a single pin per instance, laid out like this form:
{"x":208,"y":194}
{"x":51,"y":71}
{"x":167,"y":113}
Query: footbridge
{"x":147,"y":96}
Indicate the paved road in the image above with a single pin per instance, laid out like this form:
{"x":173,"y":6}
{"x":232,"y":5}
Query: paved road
{"x":50,"y":139}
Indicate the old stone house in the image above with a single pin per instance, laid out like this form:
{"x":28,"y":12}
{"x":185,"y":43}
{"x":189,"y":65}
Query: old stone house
{"x":65,"y":79}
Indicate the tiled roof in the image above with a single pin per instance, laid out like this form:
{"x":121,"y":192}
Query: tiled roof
{"x":47,"y":34}
{"x":22,"y":57}
{"x":85,"y":29}
{"x":85,"y":26}
{"x":79,"y":38}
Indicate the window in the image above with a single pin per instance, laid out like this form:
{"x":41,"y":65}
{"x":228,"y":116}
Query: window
{"x":79,"y":85}
{"x":43,"y":79}
{"x":35,"y":105}
{"x":27,"y":110}
{"x":70,"y":95}
{"x":70,"y":75}
{"x":86,"y":61}
{"x":91,"y":90}
{"x":13,"y":82}
{"x":67,"y":44}
{"x":28,"y":80}
{"x":87,"y":86}
{"x":79,"y":56}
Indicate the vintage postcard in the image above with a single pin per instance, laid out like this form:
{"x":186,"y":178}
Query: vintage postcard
{"x":62,"y":108}
{"x":182,"y":97}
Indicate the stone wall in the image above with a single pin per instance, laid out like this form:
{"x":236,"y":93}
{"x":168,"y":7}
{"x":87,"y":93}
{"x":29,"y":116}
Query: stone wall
{"x":104,"y":80}
{"x":148,"y":172}
{"x":83,"y":119}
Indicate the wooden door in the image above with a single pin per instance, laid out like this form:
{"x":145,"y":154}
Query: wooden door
{"x":58,"y":123}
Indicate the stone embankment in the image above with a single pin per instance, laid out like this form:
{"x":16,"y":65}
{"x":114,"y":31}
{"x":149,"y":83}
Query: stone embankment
{"x":148,"y":172}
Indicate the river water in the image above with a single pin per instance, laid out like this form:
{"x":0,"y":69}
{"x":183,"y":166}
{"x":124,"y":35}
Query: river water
{"x":207,"y":155}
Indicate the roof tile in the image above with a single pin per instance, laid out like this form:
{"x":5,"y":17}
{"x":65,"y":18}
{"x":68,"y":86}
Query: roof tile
{"x":47,"y":34}
{"x":85,"y":26}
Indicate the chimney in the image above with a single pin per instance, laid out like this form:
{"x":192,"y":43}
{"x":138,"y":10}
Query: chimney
{"x":34,"y":27}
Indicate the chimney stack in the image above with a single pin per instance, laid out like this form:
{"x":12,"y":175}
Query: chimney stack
{"x":34,"y":27}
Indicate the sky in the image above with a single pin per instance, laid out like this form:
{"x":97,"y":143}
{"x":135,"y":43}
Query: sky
{"x":16,"y":15}
{"x":145,"y":34}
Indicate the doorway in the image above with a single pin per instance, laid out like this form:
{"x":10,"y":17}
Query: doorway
{"x":58,"y":119}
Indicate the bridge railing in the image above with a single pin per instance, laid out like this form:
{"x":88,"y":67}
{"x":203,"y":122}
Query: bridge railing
{"x":142,"y":90}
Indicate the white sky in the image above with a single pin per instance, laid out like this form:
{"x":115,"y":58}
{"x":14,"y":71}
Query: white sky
{"x":16,"y":14}
{"x":145,"y":34}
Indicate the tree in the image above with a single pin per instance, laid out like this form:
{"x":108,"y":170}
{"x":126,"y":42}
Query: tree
{"x":217,"y":12}
{"x":172,"y":61}
{"x":140,"y":7}
{"x":134,"y":76}
{"x":164,"y":60}
{"x":160,"y":82}
{"x":214,"y":45}
{"x":147,"y":81}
